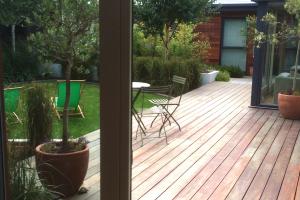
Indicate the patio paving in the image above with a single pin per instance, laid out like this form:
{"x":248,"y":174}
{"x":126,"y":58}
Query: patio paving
{"x":225,"y":150}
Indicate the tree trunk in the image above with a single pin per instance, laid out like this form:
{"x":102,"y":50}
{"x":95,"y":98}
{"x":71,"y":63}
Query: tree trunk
{"x":13,"y":37}
{"x":166,"y":41}
{"x":65,"y":136}
{"x":296,"y":67}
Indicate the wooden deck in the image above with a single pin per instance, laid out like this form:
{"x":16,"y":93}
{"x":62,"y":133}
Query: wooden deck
{"x":224,"y":151}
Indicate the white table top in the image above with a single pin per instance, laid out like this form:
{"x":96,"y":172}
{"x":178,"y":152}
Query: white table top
{"x":137,"y":85}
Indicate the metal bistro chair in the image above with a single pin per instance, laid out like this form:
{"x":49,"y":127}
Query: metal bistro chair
{"x":150,"y":95}
{"x":169,"y":107}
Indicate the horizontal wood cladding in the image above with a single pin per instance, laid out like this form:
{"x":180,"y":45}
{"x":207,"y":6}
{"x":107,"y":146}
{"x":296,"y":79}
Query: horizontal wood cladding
{"x":211,"y":31}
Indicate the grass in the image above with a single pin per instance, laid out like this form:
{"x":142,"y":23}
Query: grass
{"x":77,"y":126}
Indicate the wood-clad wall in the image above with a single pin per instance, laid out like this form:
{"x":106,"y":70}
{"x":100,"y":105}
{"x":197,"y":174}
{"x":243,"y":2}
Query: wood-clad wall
{"x":212,"y":31}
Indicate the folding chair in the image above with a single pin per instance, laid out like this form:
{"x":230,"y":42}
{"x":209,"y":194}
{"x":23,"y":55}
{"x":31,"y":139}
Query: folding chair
{"x":75,"y":93}
{"x":159,"y":94}
{"x":11,"y":100}
{"x":169,"y":107}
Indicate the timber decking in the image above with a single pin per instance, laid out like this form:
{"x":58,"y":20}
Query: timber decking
{"x":225,"y":150}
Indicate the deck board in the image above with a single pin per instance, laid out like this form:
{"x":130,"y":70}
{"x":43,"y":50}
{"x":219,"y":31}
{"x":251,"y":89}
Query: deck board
{"x":225,"y":150}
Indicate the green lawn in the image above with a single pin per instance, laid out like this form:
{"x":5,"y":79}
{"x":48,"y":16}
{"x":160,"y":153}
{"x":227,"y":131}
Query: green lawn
{"x":78,"y":126}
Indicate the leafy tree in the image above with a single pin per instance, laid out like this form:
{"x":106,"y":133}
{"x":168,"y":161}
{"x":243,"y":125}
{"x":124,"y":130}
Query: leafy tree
{"x":14,"y":13}
{"x":65,"y":24}
{"x":162,"y":17}
{"x":187,"y":43}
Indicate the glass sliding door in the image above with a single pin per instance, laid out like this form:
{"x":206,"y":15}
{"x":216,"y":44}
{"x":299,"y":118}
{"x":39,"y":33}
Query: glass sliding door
{"x":42,"y":54}
{"x":278,"y":69}
{"x":233,"y":52}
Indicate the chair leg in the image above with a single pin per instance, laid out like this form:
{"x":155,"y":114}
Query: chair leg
{"x":18,"y":119}
{"x":136,"y":132}
{"x":163,"y":127}
{"x":57,"y":113}
{"x":54,"y":109}
{"x":80,"y":111}
{"x":154,"y":120}
{"x":142,"y":139}
{"x":176,"y":123}
{"x":170,"y":115}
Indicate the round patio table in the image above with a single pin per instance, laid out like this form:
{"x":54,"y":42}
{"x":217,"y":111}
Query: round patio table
{"x":138,"y":85}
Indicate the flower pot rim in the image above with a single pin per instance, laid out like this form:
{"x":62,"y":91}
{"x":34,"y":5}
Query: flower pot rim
{"x":38,"y":150}
{"x":288,"y":95}
{"x":211,"y":72}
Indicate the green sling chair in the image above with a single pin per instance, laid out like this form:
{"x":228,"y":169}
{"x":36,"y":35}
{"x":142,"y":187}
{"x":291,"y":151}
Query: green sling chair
{"x":59,"y":101}
{"x":11,"y":100}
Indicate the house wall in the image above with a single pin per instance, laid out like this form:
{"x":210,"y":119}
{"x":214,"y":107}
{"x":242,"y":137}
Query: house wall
{"x":213,"y":31}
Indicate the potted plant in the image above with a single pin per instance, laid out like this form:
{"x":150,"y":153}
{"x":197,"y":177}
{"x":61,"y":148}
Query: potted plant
{"x":288,"y":101}
{"x":66,"y":25}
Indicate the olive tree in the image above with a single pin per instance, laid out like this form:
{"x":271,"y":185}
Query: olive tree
{"x":65,"y":25}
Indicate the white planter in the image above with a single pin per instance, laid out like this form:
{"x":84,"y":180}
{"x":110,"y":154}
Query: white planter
{"x":208,"y":77}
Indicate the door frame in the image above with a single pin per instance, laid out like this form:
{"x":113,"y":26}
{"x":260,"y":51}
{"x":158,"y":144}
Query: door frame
{"x":115,"y":99}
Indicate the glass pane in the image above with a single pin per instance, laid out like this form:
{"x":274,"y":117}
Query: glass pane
{"x":233,"y":33}
{"x":278,"y":71}
{"x":234,"y":57}
{"x":35,"y":69}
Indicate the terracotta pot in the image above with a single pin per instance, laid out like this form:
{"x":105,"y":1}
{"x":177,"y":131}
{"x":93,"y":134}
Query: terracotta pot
{"x":63,"y":173}
{"x":289,"y":106}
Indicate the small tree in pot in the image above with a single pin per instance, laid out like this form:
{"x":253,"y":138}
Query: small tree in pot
{"x":288,"y":101}
{"x":65,"y":23}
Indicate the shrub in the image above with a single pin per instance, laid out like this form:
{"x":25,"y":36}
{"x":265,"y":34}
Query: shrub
{"x":234,"y":71}
{"x":159,"y":72}
{"x":223,"y":76}
{"x":21,"y":65}
{"x":39,"y":116}
{"x":142,"y":68}
{"x":24,"y":181}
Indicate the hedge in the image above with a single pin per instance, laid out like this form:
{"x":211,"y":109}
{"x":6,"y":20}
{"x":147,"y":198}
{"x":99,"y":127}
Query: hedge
{"x":156,"y":71}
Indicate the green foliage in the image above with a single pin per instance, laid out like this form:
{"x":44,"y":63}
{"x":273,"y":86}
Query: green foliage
{"x":183,"y":45}
{"x":293,"y":8}
{"x":24,"y":182}
{"x":69,"y":33}
{"x":39,"y":116}
{"x":158,"y":72}
{"x":234,"y":71}
{"x":155,"y":14}
{"x":186,"y":45}
{"x":21,"y":65}
{"x":145,"y":45}
{"x":223,"y":76}
{"x":16,"y":12}
{"x":162,"y":18}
